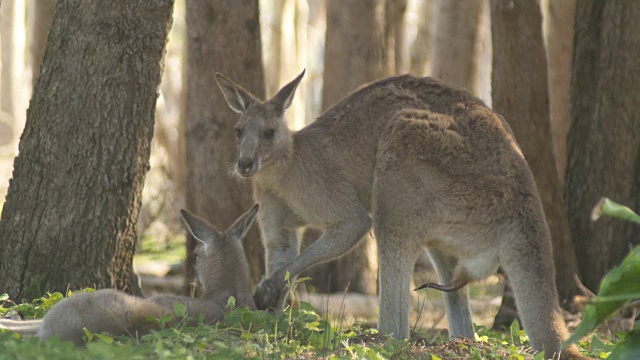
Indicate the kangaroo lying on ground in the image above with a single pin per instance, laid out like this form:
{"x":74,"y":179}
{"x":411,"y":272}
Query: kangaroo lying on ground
{"x":432,"y":165}
{"x":222,"y":268}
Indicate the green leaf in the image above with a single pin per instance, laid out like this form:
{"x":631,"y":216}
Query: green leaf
{"x":104,"y":338}
{"x":88,"y":334}
{"x":610,"y":208}
{"x":287,"y":276}
{"x":180,"y":310}
{"x":629,"y":348}
{"x":435,"y":357}
{"x":620,"y":283}
{"x":515,"y":332}
{"x":231,"y":303}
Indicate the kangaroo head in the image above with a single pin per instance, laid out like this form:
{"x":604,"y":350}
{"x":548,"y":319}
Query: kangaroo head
{"x":262,"y":134}
{"x":221,"y":264}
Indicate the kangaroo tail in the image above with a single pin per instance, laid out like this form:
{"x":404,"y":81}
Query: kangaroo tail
{"x":22,"y":327}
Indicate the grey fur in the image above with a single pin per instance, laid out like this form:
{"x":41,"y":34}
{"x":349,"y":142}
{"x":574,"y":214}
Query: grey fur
{"x":428,"y":165}
{"x":223,"y":270}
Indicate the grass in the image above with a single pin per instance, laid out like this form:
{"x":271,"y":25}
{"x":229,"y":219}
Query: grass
{"x":294,"y":333}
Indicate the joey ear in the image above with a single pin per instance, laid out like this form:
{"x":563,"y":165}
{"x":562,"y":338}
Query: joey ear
{"x":240,"y":228}
{"x":236,"y":96}
{"x":199,"y":228}
{"x":282,"y":100}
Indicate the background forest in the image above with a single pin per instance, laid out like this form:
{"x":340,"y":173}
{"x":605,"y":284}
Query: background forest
{"x":103,"y":166}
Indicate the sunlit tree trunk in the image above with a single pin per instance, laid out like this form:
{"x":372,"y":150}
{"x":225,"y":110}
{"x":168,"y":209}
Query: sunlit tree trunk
{"x":604,"y":140}
{"x":394,"y":36}
{"x":223,"y":36}
{"x":456,"y":42}
{"x":558,"y":30}
{"x":69,"y":220}
{"x":520,"y":94}
{"x":353,"y":27}
{"x":12,"y":86}
{"x":420,"y":49}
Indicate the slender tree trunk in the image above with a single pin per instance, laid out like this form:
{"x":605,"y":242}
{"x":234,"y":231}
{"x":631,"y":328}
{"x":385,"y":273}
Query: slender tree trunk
{"x":43,"y":11}
{"x":223,"y":36}
{"x":394,"y":36}
{"x":604,"y":140}
{"x":353,"y":27}
{"x":456,"y":42}
{"x":13,"y":61}
{"x":558,"y":28}
{"x":520,"y":94}
{"x":420,"y":51}
{"x":72,"y":206}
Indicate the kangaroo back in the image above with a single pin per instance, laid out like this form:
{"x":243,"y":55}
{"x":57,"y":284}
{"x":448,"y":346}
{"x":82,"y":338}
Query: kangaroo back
{"x":222,"y":268}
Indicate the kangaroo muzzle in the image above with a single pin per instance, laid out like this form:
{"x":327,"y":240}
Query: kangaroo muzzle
{"x":247,"y":166}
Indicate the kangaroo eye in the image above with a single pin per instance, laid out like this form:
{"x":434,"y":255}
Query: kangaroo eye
{"x":268,"y":134}
{"x":238,"y":133}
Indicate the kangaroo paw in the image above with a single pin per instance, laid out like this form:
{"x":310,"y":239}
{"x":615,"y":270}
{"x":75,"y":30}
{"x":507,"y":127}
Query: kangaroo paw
{"x":267,"y":295}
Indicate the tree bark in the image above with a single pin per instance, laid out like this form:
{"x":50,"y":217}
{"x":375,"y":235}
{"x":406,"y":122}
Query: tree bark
{"x":12,"y":88}
{"x":223,"y":36}
{"x":604,"y":139}
{"x":456,"y":42}
{"x":353,"y":27}
{"x":558,"y":28}
{"x":520,"y":94}
{"x":420,"y":50}
{"x":69,"y":219}
{"x":394,"y":36}
{"x":43,"y":11}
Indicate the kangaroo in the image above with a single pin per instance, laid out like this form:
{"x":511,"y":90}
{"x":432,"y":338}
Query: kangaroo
{"x":426,"y":164}
{"x":222,"y":268}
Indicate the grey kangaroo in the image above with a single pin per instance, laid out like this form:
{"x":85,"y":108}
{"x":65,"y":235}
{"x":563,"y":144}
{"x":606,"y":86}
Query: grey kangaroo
{"x":428,"y":166}
{"x":222,"y":268}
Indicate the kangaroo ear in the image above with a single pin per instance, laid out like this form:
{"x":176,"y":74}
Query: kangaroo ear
{"x":199,"y":228}
{"x":282,"y":100}
{"x":240,"y":228}
{"x":237,"y":97}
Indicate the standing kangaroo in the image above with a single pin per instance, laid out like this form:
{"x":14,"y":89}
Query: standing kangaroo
{"x":432,"y":165}
{"x":222,"y":268}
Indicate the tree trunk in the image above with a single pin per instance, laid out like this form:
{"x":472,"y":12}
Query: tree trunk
{"x":604,"y":140}
{"x":12,"y":86}
{"x":520,"y":94}
{"x":420,"y":50}
{"x":394,"y":36}
{"x":223,"y":36}
{"x":558,"y":29}
{"x":353,"y":27}
{"x":42,"y":17}
{"x":456,"y":42}
{"x":72,"y":206}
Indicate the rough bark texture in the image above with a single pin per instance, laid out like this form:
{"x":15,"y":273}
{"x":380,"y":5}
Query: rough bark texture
{"x":43,"y":11}
{"x":353,"y":57}
{"x":604,"y":140}
{"x":558,"y":28}
{"x":456,"y":42}
{"x":223,"y":36}
{"x":72,"y":206}
{"x":521,"y":95}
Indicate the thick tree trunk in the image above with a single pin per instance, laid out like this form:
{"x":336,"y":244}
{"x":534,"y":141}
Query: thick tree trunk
{"x":12,"y":87}
{"x":43,"y":11}
{"x":223,"y":36}
{"x":520,"y":94}
{"x":558,"y":29}
{"x":456,"y":42}
{"x":604,"y":140}
{"x":72,"y":206}
{"x":353,"y":27}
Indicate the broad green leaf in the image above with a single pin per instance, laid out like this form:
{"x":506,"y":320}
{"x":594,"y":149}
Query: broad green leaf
{"x":619,"y":283}
{"x":104,"y":338}
{"x":88,"y":333}
{"x":610,"y":208}
{"x":180,"y":310}
{"x":515,"y":332}
{"x":629,"y":348}
{"x":231,"y":303}
{"x":435,"y":357}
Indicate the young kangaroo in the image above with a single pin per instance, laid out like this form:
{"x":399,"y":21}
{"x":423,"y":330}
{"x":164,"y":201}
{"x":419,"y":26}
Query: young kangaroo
{"x":432,"y":165}
{"x":222,"y":268}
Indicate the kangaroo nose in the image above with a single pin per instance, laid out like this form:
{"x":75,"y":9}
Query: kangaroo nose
{"x":245,"y":165}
